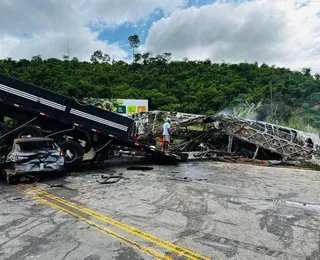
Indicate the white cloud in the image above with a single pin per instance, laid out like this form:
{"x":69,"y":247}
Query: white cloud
{"x":279,"y":32}
{"x":112,"y":13}
{"x":53,"y":24}
{"x":39,"y":16}
{"x":81,"y":45}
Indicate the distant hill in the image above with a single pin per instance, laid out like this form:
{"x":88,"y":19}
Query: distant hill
{"x":278,"y":94}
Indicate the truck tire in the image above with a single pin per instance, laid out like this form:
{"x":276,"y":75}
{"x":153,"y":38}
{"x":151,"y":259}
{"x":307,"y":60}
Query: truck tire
{"x":73,"y":153}
{"x":3,"y":131}
{"x":83,"y":135}
{"x":27,"y":131}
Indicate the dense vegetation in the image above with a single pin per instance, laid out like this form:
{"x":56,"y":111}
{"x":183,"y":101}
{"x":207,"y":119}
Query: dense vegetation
{"x":279,"y":94}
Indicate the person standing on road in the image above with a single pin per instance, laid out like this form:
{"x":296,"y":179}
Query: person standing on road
{"x":166,"y":135}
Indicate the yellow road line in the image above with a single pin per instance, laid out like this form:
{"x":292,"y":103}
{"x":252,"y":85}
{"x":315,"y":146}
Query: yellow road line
{"x":151,"y":238}
{"x":155,"y":254}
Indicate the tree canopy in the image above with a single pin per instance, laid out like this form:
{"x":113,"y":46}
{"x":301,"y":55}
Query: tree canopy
{"x":200,"y":87}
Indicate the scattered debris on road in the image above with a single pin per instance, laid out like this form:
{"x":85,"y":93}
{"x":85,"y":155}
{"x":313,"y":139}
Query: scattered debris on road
{"x":110,"y":178}
{"x":186,"y":179}
{"x":55,"y":185}
{"x":140,"y":168}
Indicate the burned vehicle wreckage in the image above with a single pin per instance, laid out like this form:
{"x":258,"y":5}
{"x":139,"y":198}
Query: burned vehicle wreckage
{"x":198,"y":136}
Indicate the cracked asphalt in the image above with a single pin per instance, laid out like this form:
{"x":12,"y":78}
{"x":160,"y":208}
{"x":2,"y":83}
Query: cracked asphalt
{"x":223,"y":211}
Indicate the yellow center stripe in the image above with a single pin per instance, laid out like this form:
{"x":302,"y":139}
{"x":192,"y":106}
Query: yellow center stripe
{"x":132,"y":230}
{"x":155,"y":254}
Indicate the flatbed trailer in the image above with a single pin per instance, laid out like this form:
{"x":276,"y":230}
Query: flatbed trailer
{"x":85,"y":131}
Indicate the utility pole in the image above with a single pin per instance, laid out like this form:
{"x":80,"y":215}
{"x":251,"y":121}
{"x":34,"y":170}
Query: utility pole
{"x":271,"y":100}
{"x":68,"y":51}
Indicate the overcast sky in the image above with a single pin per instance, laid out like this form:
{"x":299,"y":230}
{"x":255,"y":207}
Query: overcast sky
{"x":278,"y":32}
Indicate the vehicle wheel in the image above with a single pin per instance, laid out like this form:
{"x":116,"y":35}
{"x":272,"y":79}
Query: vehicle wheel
{"x":245,"y":153}
{"x":113,"y":151}
{"x":80,"y":134}
{"x":96,"y":161}
{"x":11,"y":179}
{"x":3,"y":130}
{"x":27,"y":131}
{"x":242,"y":154}
{"x":73,"y":153}
{"x":2,"y":174}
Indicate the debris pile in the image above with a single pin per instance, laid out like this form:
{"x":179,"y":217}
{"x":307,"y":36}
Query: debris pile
{"x":220,"y":136}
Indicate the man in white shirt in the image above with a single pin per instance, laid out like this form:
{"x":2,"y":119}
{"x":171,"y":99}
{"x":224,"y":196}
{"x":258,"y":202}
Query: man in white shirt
{"x":166,"y":135}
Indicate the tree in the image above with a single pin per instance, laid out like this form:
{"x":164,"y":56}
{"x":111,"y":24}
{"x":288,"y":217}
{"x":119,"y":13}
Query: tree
{"x":96,"y":57}
{"x":199,"y":87}
{"x":167,"y":56}
{"x":75,"y":59}
{"x":145,"y":57}
{"x":137,"y":58}
{"x":207,"y":62}
{"x":36,"y":58}
{"x":134,"y":43}
{"x":106,"y":58}
{"x":306,"y":71}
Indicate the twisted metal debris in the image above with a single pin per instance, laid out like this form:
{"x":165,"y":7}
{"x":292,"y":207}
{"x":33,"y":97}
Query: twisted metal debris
{"x":212,"y":136}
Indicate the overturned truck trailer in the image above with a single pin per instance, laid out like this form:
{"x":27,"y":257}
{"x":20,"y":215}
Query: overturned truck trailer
{"x":211,"y":136}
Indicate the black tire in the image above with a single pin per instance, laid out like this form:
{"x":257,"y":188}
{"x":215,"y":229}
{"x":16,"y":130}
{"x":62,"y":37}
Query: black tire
{"x":242,"y":154}
{"x":2,"y":174}
{"x":83,"y":135}
{"x":3,"y":130}
{"x":74,"y":149}
{"x":245,"y":153}
{"x":27,"y":131}
{"x":12,"y":180}
{"x":113,"y":151}
{"x":96,"y":161}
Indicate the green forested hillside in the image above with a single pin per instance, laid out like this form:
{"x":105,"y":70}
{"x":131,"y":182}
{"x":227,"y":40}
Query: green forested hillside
{"x":189,"y":86}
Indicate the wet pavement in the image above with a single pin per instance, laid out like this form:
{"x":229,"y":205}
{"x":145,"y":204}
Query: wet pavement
{"x":213,"y":210}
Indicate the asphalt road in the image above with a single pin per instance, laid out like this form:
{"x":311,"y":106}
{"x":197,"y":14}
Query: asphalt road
{"x":221,"y":211}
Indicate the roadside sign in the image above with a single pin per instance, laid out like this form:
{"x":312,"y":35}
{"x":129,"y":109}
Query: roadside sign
{"x":122,"y":106}
{"x":121,"y":109}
